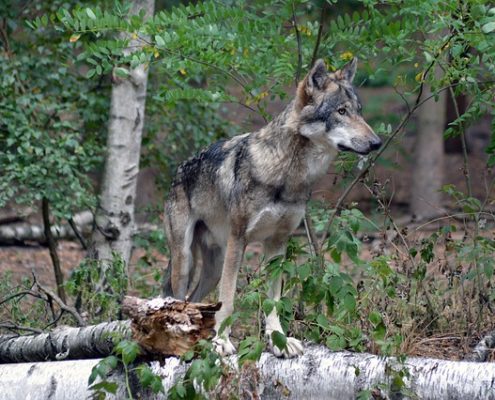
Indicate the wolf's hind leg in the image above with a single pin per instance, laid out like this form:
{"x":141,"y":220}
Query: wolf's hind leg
{"x":212,"y":257}
{"x":294,"y":346}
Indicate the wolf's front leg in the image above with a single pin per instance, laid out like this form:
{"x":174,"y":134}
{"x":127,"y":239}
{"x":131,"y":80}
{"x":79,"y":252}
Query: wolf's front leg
{"x":228,"y":282}
{"x":294,"y":346}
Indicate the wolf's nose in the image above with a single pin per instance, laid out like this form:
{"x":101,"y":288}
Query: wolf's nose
{"x":376,"y":144}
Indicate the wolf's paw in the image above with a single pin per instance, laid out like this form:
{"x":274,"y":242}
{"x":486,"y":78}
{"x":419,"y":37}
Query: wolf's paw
{"x":293,"y":348}
{"x":223,"y":346}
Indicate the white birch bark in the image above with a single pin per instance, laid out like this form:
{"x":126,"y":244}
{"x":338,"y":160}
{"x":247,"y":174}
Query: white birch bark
{"x":318,"y":374}
{"x":20,"y":232}
{"x":63,"y":343}
{"x":115,"y":216}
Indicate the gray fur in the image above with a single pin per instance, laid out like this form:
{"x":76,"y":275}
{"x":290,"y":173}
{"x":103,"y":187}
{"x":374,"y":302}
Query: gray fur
{"x":254,"y":187}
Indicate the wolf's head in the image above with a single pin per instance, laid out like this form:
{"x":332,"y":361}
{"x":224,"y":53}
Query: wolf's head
{"x":330,"y":110}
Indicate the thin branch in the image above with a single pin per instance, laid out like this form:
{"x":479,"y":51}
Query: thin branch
{"x":52,"y":246}
{"x":299,"y":45}
{"x":79,"y":237}
{"x":319,"y":35}
{"x":60,"y":303}
{"x":311,"y":235}
{"x":20,"y":294}
{"x":13,"y":327}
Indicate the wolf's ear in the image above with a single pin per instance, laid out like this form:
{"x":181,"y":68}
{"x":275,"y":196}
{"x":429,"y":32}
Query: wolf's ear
{"x":317,"y":76}
{"x":314,"y":81}
{"x":349,"y":70}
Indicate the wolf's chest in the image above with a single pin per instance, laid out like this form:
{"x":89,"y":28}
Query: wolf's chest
{"x":274,"y":220}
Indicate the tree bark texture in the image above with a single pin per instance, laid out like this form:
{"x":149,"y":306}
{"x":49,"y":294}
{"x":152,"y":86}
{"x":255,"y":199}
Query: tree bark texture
{"x":428,"y":165}
{"x":115,"y":216}
{"x":318,"y":374}
{"x":21,"y":232}
{"x":62,"y":343}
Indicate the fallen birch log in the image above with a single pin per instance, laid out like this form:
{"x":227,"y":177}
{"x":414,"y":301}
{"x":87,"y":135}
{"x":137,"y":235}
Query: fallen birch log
{"x":162,"y":326}
{"x":318,"y":374}
{"x":63,"y":343}
{"x":18,"y":233}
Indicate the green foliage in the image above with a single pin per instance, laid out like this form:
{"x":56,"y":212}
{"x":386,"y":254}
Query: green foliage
{"x":52,"y":122}
{"x":101,"y":305}
{"x":204,"y":372}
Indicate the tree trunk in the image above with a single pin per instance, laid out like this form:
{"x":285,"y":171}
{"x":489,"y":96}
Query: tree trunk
{"x":160,"y":326}
{"x":115,"y":215}
{"x":318,"y":374}
{"x":428,"y":166}
{"x":21,"y":232}
{"x":62,"y":343}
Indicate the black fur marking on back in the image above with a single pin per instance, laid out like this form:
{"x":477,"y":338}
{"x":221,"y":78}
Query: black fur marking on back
{"x":241,"y":155}
{"x":208,"y":160}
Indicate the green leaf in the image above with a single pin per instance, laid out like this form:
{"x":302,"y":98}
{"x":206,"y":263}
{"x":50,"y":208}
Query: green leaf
{"x":374,"y":317}
{"x":335,"y":342}
{"x":268,"y":306}
{"x":159,"y":41}
{"x":90,"y":13}
{"x":109,"y":387}
{"x":250,"y":349}
{"x":279,"y":340}
{"x":322,"y":321}
{"x":149,"y":379}
{"x":128,"y":350}
{"x":91,"y":73}
{"x":121,"y":72}
{"x":349,"y":302}
{"x":489,"y":27}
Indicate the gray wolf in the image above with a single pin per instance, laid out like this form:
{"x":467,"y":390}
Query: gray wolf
{"x":254,"y":187}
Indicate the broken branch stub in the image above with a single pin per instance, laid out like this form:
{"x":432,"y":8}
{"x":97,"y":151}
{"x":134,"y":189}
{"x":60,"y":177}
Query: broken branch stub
{"x":167,"y":326}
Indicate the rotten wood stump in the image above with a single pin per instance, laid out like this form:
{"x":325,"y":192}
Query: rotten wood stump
{"x":168,"y":326}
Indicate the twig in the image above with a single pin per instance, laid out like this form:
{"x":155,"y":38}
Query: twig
{"x":318,"y":36}
{"x":311,"y":235}
{"x":60,"y":303}
{"x":13,"y":327}
{"x":79,"y":237}
{"x":20,"y":294}
{"x":52,"y":246}
{"x":299,"y":46}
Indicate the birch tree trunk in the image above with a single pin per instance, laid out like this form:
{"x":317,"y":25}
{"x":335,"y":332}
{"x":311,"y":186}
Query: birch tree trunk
{"x":318,"y":374}
{"x":115,"y":216}
{"x":63,"y":343}
{"x":428,"y":168}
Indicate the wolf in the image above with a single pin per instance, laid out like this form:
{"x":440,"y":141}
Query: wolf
{"x":254,"y":188}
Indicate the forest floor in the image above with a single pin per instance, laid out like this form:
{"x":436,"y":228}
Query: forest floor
{"x":20,"y":261}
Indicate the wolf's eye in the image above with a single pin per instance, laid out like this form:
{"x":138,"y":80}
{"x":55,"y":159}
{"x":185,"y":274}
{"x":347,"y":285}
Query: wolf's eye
{"x":342,"y":111}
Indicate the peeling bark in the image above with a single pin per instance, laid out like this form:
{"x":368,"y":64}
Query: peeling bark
{"x":168,"y":326}
{"x":318,"y":374}
{"x":62,"y":343}
{"x":115,"y":216}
